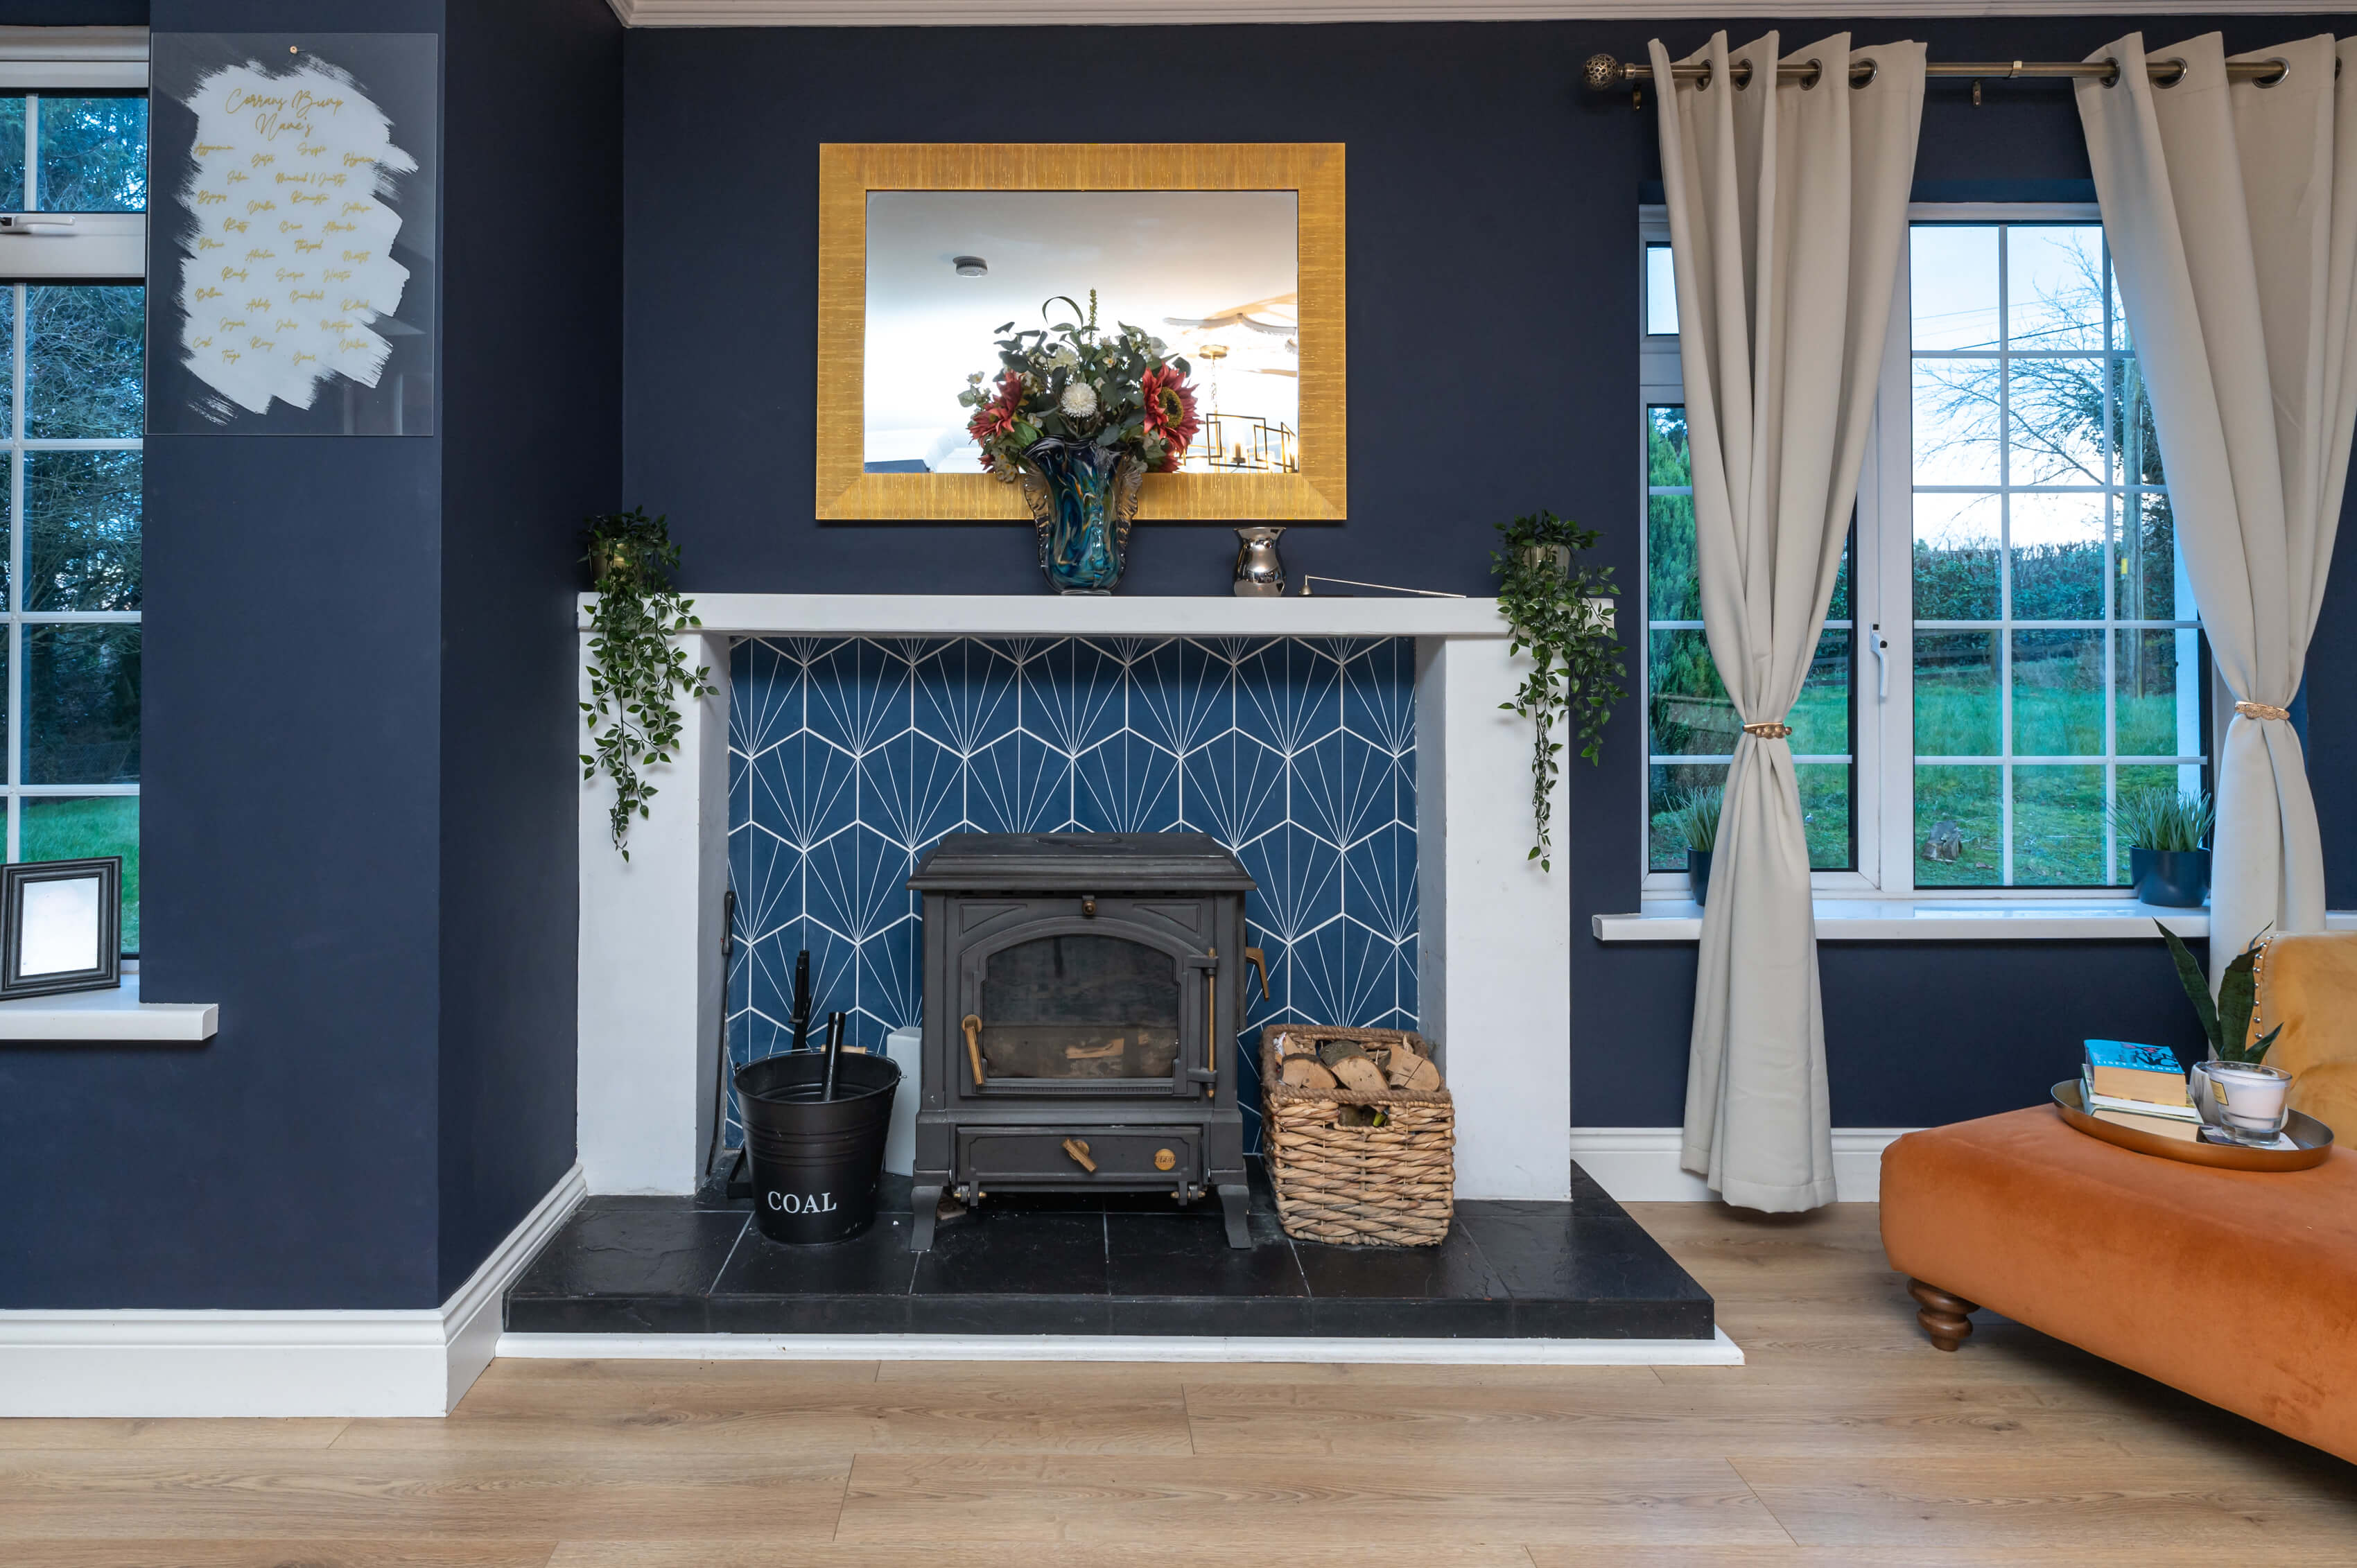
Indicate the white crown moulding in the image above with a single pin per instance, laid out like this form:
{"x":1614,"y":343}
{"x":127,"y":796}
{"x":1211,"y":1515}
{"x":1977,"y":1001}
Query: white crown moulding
{"x":1031,"y":13}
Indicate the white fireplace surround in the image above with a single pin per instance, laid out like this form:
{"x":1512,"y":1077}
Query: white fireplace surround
{"x":1494,"y":950}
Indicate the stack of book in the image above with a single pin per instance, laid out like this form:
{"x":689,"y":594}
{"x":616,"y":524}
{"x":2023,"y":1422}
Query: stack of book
{"x":2140,"y":1087}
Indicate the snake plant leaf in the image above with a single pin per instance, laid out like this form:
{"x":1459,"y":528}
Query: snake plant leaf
{"x":2197,"y":986}
{"x":2257,"y":1049}
{"x":2238,"y":995}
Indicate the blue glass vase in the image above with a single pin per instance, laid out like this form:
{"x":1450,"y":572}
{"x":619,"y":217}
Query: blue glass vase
{"x":1083,"y":498}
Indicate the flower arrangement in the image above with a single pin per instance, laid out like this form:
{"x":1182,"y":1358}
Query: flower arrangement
{"x":1121,"y":391}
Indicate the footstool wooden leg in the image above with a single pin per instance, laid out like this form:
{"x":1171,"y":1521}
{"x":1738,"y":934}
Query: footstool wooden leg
{"x":1942,"y":1315}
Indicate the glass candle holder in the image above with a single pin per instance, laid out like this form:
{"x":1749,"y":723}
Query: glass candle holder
{"x":2243,"y":1101}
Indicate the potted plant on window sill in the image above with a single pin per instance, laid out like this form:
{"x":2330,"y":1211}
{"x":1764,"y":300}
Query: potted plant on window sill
{"x":1561,"y":613}
{"x":1696,"y":818}
{"x":2168,"y":835}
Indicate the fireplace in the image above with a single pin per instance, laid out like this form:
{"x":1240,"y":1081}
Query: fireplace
{"x":1082,"y":994}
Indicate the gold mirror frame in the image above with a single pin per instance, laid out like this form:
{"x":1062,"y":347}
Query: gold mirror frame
{"x":849,"y":170}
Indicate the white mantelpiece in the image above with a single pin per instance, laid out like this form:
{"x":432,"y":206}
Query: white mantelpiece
{"x":1493,"y":951}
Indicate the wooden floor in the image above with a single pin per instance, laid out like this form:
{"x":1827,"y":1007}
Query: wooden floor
{"x":1847,"y":1440}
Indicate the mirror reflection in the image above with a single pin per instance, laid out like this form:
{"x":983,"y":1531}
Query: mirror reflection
{"x":1214,"y":274}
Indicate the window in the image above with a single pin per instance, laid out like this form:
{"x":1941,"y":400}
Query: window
{"x":73,"y":317}
{"x":2030,"y":651}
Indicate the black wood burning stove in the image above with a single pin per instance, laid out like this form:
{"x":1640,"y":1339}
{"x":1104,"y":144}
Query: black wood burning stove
{"x":1082,"y":994}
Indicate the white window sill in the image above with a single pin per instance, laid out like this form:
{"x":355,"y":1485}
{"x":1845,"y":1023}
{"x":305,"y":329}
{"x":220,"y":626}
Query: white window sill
{"x":108,"y":1017}
{"x":1936,"y":920}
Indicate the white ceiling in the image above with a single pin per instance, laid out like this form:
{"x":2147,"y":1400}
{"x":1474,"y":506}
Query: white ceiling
{"x":1062,"y":13}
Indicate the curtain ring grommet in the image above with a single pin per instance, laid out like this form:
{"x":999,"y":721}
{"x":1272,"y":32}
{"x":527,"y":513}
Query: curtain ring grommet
{"x":1769,"y":731}
{"x":1701,"y":83}
{"x":2111,"y":80}
{"x":1816,"y":74}
{"x":1873,"y":69}
{"x":2283,"y":73}
{"x":2182,"y":71}
{"x":2261,"y":710}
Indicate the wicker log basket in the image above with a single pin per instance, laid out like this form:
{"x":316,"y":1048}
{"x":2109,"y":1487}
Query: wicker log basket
{"x":1393,"y":1185}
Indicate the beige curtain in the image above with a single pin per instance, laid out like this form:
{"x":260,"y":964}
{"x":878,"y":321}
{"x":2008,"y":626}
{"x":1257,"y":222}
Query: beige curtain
{"x":2232,"y":213}
{"x":1788,"y":215}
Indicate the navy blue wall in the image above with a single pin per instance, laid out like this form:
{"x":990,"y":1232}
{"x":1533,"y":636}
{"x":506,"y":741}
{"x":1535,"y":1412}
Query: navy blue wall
{"x":359,"y":792}
{"x":532,"y":404}
{"x":1493,"y":332}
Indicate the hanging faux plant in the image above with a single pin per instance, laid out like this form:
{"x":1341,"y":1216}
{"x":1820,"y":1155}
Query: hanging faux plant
{"x":1547,"y":597}
{"x":637,"y":676}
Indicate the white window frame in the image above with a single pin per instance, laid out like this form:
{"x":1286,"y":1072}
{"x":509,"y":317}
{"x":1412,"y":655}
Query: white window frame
{"x":1881,"y":599}
{"x":105,"y":247}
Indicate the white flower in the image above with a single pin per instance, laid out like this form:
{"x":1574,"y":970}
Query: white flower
{"x":974,"y":379}
{"x":1063,"y":359}
{"x":1080,"y":401}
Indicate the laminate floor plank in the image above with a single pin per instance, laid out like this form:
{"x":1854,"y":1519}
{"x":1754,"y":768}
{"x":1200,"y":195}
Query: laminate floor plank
{"x":1660,"y":1422}
{"x":758,"y":1374}
{"x":2128,"y":1503}
{"x":1203,"y":1549}
{"x":910,"y":1499}
{"x":385,"y":1496}
{"x":118,"y":1435}
{"x":280,"y":1553}
{"x":798,"y":1418}
{"x":1156,"y":1374}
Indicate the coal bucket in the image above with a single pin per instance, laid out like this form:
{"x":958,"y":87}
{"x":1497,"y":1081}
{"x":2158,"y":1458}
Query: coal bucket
{"x":815,"y":1161}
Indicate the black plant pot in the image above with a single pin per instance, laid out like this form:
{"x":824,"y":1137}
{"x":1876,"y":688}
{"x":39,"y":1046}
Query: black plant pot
{"x":1698,"y":872}
{"x":2172,"y":878}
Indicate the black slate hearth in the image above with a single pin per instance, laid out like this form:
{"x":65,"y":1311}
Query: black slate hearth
{"x":1108,"y":1264}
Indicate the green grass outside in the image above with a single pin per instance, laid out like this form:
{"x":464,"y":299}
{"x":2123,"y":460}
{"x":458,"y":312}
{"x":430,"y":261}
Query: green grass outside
{"x":86,"y":829}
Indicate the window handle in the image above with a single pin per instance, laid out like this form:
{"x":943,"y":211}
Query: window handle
{"x":1883,"y":664}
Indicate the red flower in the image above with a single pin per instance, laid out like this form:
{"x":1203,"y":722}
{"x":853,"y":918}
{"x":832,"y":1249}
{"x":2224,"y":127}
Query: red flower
{"x":1169,"y":413}
{"x":998,"y":416}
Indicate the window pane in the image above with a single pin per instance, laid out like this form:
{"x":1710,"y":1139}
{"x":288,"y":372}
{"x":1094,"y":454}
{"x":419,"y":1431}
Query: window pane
{"x":1820,"y":719}
{"x":1673,"y":591}
{"x":2057,"y":827}
{"x":1669,"y":787}
{"x":1952,"y":285}
{"x":81,"y":530}
{"x":2157,"y":697}
{"x":1661,"y":292}
{"x":1826,"y":815}
{"x":55,"y":828}
{"x":1959,"y":827}
{"x":2135,"y":438}
{"x":2054,"y":287}
{"x":1689,"y":711}
{"x":7,"y":335}
{"x":2058,"y":557}
{"x":2147,"y":569}
{"x":82,"y":360}
{"x":12,"y":155}
{"x":2056,"y":429}
{"x":2057,"y":693}
{"x":1956,"y":403}
{"x":82,"y":705}
{"x":1956,"y":556}
{"x":93,"y":155}
{"x":1956,"y":709}
{"x":1838,"y":607}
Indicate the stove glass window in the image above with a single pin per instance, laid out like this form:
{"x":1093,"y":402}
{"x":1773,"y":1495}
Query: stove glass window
{"x":1080,"y":1007}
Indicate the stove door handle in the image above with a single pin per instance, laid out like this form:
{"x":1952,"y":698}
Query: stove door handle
{"x":1079,"y":1151}
{"x":971,"y":1025}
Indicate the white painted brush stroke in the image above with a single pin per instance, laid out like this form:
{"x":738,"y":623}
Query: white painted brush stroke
{"x":290,"y":263}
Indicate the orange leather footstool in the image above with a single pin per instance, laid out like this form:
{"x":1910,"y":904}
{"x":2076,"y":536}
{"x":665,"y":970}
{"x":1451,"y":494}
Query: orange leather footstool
{"x":2239,"y":1287}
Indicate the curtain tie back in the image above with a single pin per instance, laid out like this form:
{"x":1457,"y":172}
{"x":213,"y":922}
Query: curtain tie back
{"x":2261,"y":710}
{"x":1769,"y":731}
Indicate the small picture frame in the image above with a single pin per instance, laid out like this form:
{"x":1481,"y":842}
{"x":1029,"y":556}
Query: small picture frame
{"x":60,"y":925}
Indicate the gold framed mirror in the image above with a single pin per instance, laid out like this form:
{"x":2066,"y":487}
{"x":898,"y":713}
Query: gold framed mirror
{"x":1174,"y":228}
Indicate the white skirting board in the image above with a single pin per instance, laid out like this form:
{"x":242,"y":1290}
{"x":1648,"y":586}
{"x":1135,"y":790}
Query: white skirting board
{"x":1640,"y":1165}
{"x":161,"y":1362}
{"x":1718,"y":1350}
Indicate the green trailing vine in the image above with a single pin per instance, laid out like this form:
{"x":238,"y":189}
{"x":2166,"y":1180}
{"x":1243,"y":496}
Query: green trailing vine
{"x":637,"y":674}
{"x":1575,"y":667}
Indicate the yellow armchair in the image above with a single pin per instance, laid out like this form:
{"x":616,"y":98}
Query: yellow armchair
{"x":2309,"y":984}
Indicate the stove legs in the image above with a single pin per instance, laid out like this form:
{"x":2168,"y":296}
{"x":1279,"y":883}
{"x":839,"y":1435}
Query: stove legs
{"x":1234,"y":1202}
{"x":924,"y":1202}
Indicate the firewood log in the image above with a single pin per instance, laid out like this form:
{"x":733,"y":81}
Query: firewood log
{"x":1305,"y":1072}
{"x":1422,"y":1076}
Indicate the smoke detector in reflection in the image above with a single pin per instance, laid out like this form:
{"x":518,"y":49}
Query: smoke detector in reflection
{"x":970,"y":267}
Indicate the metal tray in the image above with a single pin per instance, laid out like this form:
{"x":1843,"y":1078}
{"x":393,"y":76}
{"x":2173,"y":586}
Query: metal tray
{"x":2314,"y":1138}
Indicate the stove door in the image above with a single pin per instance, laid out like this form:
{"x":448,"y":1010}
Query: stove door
{"x":1083,"y":1007}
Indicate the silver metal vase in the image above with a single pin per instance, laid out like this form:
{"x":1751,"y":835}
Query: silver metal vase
{"x":1260,"y":573}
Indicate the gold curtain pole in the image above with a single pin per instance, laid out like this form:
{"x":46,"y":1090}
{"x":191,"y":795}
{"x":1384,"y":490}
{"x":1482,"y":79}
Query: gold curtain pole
{"x":1604,"y":72}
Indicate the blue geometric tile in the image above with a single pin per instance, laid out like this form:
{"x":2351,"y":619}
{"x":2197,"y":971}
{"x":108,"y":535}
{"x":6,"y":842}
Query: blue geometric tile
{"x":1127,"y":784}
{"x":849,"y":757}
